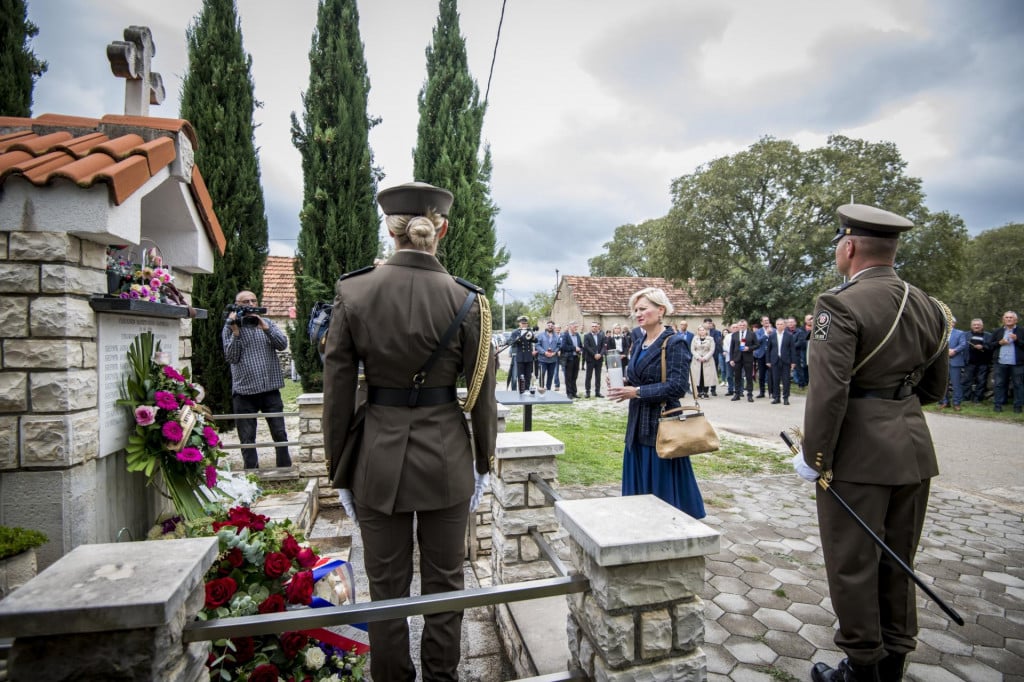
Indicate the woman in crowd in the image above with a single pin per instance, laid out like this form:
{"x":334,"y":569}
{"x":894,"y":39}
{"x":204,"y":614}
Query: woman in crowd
{"x":643,"y":472}
{"x":702,"y":367}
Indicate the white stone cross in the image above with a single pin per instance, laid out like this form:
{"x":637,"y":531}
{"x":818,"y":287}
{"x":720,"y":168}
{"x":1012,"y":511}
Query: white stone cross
{"x":131,"y":59}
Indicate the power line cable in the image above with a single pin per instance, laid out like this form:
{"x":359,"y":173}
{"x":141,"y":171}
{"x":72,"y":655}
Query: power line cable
{"x":494,"y":56}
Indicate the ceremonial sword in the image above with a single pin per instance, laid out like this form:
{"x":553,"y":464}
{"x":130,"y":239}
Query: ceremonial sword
{"x":878,"y":541}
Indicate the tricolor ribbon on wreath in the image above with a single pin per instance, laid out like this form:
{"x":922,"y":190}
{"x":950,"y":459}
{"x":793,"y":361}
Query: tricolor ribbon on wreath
{"x":340,"y":586}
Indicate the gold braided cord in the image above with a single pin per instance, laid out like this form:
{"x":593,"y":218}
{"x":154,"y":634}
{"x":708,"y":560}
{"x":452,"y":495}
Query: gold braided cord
{"x":483,"y":355}
{"x":950,"y":323}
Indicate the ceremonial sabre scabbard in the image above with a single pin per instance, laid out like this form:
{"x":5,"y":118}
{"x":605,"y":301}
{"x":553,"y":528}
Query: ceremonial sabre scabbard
{"x":878,"y":541}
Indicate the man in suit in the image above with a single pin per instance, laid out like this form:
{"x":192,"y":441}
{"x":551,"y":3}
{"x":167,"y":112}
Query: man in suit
{"x":1007,"y":344}
{"x":764,"y":374}
{"x":547,"y":354}
{"x":593,"y":355}
{"x":957,"y":362}
{"x":979,"y":358}
{"x":687,"y":336}
{"x":418,"y":471}
{"x":620,"y":342}
{"x":741,"y":357}
{"x":572,"y":351}
{"x":780,"y":361}
{"x":866,"y":436}
{"x":800,"y":336}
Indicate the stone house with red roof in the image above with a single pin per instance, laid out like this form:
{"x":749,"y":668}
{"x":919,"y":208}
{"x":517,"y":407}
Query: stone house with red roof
{"x":606,"y":301}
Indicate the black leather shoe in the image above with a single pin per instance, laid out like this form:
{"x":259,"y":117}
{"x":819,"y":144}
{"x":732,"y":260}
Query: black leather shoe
{"x":735,"y":398}
{"x":845,"y":672}
{"x":750,"y":398}
{"x":760,"y":395}
{"x":730,"y":393}
{"x":714,"y":393}
{"x":890,"y":668}
{"x":598,"y":395}
{"x":776,"y":401}
{"x":786,"y":401}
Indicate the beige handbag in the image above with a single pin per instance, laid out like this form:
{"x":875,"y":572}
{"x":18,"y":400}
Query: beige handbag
{"x":684,"y":430}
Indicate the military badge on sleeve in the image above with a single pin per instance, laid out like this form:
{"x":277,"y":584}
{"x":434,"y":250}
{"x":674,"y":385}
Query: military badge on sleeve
{"x":822,"y":321}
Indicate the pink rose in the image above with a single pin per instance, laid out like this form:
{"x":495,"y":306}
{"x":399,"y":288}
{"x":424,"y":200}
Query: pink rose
{"x":189,"y":454}
{"x":172,"y":431}
{"x":154,"y":283}
{"x":211,"y":437}
{"x":145,"y":415}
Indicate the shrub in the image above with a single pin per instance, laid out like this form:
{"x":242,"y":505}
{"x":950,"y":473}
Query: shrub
{"x":17,"y":540}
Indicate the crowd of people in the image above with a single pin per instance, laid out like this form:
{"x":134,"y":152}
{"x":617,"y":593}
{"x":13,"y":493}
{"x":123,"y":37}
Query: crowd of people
{"x":771,"y":356}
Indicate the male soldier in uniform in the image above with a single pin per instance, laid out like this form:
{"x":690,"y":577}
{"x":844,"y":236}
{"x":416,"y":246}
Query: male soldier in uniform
{"x":864,"y":432}
{"x":416,"y":466}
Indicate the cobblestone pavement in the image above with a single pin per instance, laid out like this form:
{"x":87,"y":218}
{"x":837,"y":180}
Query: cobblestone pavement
{"x":766,"y":599}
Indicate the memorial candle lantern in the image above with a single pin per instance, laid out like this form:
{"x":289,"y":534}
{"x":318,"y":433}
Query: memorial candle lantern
{"x":614,"y":362}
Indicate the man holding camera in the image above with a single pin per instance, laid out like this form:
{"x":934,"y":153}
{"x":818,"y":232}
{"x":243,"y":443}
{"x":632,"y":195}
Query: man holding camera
{"x":251,"y":343}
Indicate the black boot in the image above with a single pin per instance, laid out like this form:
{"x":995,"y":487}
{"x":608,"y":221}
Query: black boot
{"x":890,"y":668}
{"x":845,"y":672}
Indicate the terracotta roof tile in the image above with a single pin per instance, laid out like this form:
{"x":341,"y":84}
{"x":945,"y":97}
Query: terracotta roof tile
{"x":113,"y":150}
{"x":279,"y":285}
{"x":610,"y":295}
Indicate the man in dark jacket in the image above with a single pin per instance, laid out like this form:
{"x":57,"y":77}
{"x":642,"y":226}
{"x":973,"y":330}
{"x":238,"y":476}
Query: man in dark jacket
{"x":741,"y":357}
{"x":979,"y":359}
{"x":593,"y":355}
{"x":780,"y":361}
{"x":800,"y":336}
{"x":1007,"y":344}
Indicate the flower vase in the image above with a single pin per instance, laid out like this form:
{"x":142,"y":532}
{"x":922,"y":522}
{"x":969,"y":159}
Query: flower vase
{"x":113,"y":282}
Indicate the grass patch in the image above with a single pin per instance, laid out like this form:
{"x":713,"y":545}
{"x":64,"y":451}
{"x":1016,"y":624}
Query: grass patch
{"x":776,"y":673}
{"x":290,"y":395}
{"x":983,"y":411}
{"x":779,"y":592}
{"x":594,"y":431}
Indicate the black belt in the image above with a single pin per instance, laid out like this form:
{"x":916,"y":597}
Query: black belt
{"x":411,"y":397}
{"x":901,"y":392}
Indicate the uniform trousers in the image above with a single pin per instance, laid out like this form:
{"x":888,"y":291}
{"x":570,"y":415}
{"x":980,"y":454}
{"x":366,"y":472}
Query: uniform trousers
{"x":388,"y":559}
{"x":873,"y":598}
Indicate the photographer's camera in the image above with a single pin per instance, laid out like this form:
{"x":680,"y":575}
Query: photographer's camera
{"x":245,"y":313}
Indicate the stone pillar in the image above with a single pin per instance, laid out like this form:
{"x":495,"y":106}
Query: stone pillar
{"x":517,"y":505}
{"x":311,"y":459}
{"x":112,"y":611}
{"x":642,"y":617}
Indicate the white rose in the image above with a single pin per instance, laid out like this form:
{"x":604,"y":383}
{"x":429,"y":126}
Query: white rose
{"x":315,"y":658}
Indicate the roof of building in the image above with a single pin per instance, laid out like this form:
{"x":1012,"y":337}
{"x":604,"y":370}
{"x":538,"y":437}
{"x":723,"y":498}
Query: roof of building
{"x":610,"y":295}
{"x":109,"y":150}
{"x":279,"y":286}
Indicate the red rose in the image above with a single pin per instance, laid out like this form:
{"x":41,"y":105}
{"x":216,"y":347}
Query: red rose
{"x":217,"y":525}
{"x":245,"y":649}
{"x":235,"y":558}
{"x":299,"y":589}
{"x":241,"y":517}
{"x":276,"y":564}
{"x":272,"y":604}
{"x":290,"y":547}
{"x":220,"y":590}
{"x":292,"y":643}
{"x":306,"y":557}
{"x":264,"y":673}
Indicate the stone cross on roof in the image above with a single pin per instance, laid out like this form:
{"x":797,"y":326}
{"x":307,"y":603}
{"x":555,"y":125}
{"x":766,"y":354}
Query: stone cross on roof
{"x":131,"y":59}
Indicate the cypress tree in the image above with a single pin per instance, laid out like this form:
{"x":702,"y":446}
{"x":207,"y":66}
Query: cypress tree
{"x":447,"y":154}
{"x":339,"y":222}
{"x":217,"y":97}
{"x":19,"y":66}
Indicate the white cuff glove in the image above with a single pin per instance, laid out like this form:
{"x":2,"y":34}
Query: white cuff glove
{"x":345,"y":497}
{"x":801,"y":468}
{"x":483,"y":484}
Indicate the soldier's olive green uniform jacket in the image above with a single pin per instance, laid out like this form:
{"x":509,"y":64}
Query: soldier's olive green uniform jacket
{"x":392,"y":318}
{"x":871,"y":440}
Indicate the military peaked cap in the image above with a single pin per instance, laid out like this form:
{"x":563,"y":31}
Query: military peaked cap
{"x":868,"y":221}
{"x":415,"y":198}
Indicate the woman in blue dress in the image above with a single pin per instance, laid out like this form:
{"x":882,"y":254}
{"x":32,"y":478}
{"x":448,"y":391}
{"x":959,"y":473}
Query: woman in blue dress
{"x":643,"y":472}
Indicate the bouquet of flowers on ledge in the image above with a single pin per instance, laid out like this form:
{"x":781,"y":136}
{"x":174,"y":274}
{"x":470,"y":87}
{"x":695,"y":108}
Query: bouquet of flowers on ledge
{"x":262,"y":568}
{"x":173,"y":433}
{"x":149,"y":280}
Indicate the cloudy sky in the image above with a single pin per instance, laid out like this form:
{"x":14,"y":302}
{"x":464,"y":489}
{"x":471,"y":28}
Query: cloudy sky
{"x":596,"y":105}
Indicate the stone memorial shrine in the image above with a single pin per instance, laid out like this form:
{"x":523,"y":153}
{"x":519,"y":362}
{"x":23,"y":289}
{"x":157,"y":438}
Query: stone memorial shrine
{"x":78,"y":198}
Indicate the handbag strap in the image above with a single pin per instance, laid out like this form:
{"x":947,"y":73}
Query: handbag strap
{"x":664,"y":378}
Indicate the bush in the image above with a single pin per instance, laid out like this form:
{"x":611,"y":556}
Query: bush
{"x":17,"y":540}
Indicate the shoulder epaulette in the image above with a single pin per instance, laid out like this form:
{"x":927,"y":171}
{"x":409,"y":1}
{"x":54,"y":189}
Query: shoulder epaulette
{"x":842,"y":287}
{"x":469,"y":285}
{"x":355,"y":273}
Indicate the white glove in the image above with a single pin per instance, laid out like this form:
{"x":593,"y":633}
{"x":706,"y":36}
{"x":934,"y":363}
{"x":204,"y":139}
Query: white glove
{"x":801,"y":468}
{"x":345,"y":497}
{"x":483,"y":484}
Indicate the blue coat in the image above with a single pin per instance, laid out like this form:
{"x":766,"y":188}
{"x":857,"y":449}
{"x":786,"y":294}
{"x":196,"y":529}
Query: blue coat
{"x":644,"y":371}
{"x":546,"y":343}
{"x":958,"y":342}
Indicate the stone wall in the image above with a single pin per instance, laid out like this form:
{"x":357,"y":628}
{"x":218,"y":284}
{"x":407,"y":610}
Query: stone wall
{"x":52,"y":478}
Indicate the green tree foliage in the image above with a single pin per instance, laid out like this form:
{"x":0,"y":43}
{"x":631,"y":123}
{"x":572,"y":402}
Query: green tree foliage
{"x":447,"y":155}
{"x":339,"y":220}
{"x":993,"y":276}
{"x":933,"y":255}
{"x":634,"y":251}
{"x":754,"y":227}
{"x":217,"y":97}
{"x":19,"y":66}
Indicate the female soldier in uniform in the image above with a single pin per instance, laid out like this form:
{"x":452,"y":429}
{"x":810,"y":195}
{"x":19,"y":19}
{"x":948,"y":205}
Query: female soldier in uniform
{"x":415,"y":465}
